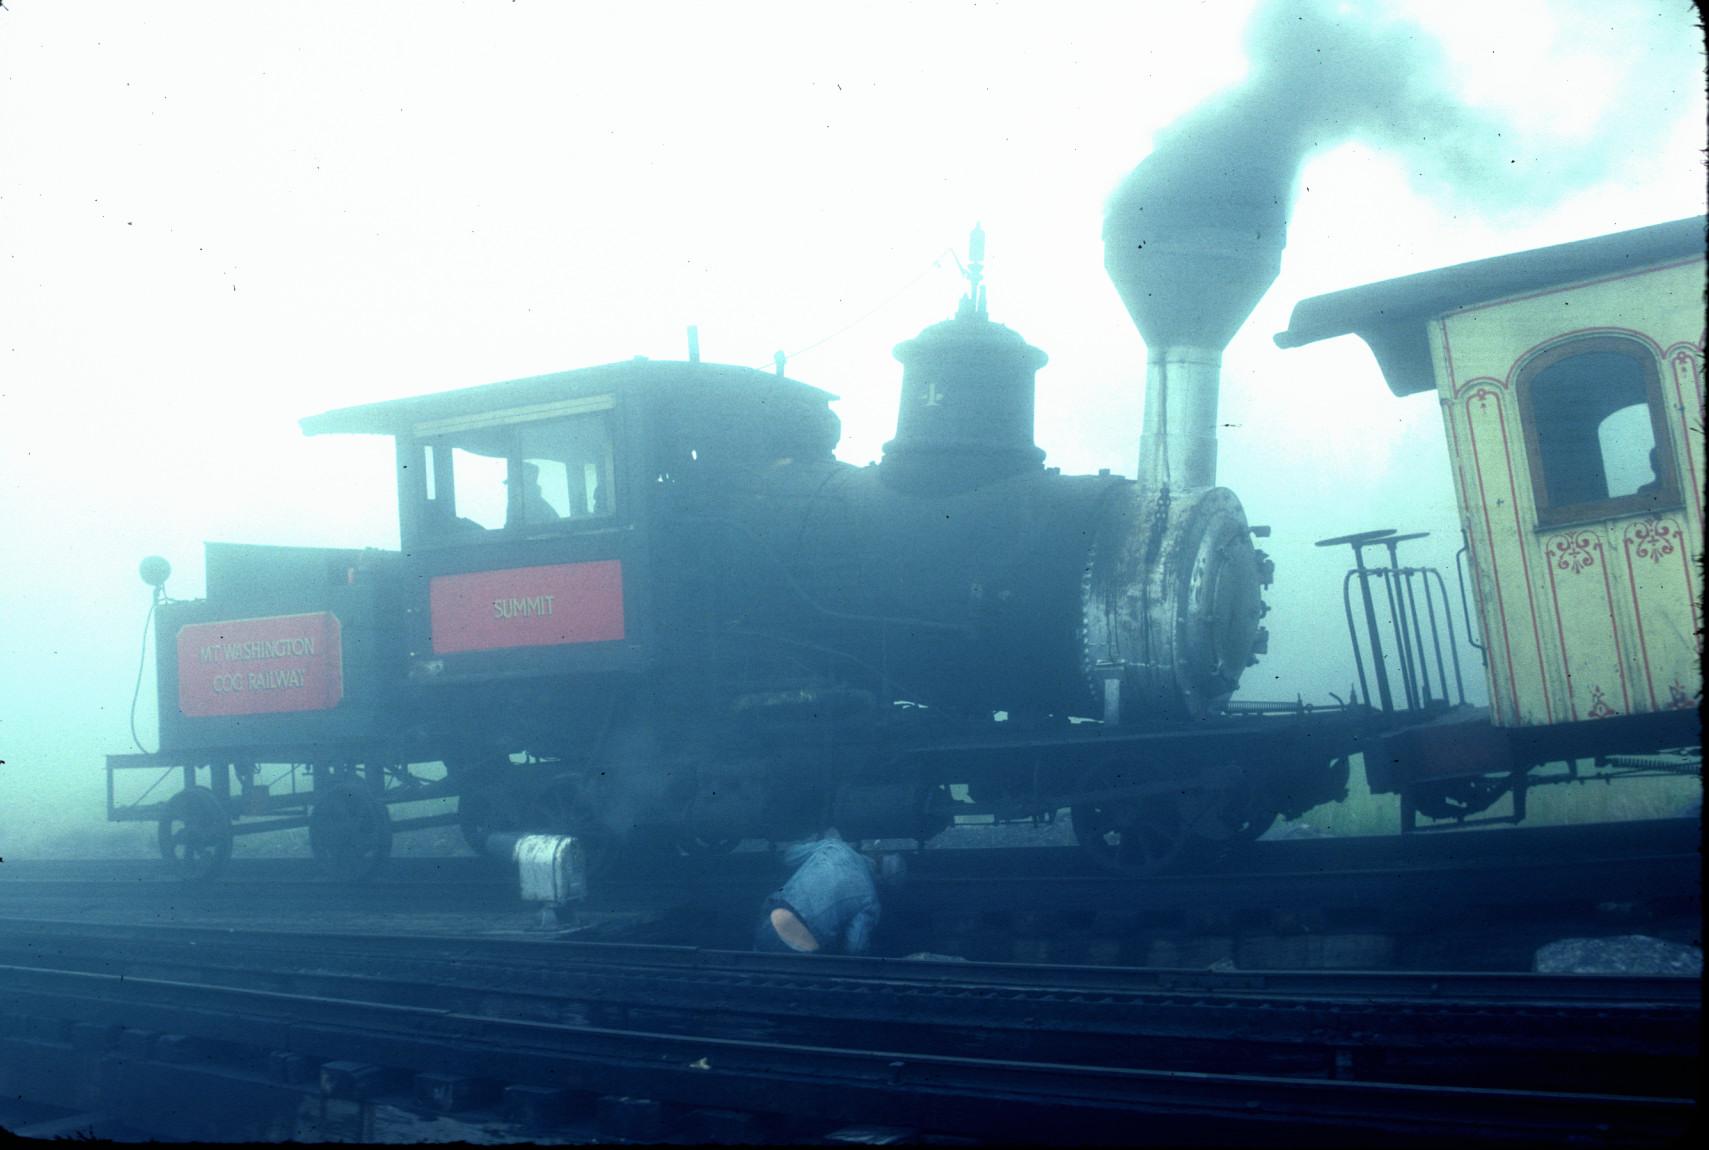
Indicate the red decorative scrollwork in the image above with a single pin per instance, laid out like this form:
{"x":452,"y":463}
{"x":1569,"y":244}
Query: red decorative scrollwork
{"x":1574,"y":552}
{"x":1651,"y":540}
{"x":1678,"y":699}
{"x":1599,"y":708}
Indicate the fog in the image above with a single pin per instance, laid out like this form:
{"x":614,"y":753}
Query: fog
{"x":216,"y":219}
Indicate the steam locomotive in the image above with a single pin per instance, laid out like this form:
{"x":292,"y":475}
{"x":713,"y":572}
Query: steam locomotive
{"x":644,"y":604}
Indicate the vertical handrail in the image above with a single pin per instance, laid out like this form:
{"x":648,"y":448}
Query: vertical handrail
{"x":1353,"y":633}
{"x":1402,"y":652}
{"x":1410,"y":666}
{"x":1423,"y":664}
{"x":1465,"y":601}
{"x":1378,"y":667}
{"x":1435,"y":632}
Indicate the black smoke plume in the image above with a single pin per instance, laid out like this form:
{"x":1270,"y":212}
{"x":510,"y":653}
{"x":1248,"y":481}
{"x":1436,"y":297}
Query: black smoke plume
{"x":1217,"y":188}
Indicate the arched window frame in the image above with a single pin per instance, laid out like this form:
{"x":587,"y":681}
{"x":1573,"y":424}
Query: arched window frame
{"x":1550,"y":514}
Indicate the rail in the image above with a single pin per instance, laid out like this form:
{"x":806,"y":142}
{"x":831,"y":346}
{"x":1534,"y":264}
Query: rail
{"x":948,"y":1069}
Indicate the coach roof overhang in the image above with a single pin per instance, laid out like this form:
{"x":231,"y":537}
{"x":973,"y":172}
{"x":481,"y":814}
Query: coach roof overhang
{"x":1391,"y":316}
{"x":402,"y":416}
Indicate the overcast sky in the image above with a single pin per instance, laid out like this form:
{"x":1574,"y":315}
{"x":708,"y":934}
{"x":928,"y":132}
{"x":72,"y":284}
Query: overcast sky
{"x":217,"y":218}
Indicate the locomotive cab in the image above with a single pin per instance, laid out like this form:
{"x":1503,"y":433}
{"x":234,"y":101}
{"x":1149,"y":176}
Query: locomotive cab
{"x":530,"y":519}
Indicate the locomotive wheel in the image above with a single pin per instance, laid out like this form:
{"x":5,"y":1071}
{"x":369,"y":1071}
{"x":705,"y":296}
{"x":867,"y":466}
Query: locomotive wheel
{"x":694,"y":846}
{"x":1239,"y":818}
{"x":483,"y":813}
{"x":195,"y":834}
{"x":562,"y":808}
{"x":350,"y":833}
{"x":1142,"y":836}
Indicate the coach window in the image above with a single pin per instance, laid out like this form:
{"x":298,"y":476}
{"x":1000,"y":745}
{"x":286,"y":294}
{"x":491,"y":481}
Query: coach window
{"x":1595,"y":431}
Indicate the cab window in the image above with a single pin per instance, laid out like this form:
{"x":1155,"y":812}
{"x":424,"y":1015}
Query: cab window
{"x":572,"y":462}
{"x":484,"y":475}
{"x":1595,"y":431}
{"x":480,"y":485}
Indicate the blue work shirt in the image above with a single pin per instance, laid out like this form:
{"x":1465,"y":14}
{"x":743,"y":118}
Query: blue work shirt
{"x":832,"y":892}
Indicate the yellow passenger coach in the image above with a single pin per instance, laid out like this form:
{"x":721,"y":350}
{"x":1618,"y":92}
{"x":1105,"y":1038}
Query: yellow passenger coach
{"x":1571,"y":385}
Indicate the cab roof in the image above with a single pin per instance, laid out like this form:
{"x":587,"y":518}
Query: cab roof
{"x":1391,"y":315}
{"x":722,"y":382}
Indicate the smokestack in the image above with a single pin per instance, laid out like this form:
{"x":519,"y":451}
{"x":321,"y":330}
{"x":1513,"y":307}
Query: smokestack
{"x":1194,"y":236}
{"x":1190,"y":257}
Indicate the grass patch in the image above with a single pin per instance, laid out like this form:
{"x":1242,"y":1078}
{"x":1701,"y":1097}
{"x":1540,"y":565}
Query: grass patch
{"x":1595,"y":801}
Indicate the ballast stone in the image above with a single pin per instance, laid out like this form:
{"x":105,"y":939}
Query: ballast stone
{"x":1625,"y":954}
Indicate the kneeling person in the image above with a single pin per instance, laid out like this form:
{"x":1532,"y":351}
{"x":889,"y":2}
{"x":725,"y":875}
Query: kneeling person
{"x":829,"y":903}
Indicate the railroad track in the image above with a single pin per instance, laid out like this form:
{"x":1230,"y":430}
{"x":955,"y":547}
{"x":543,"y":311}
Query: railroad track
{"x":983,"y":1050}
{"x":1486,"y":898}
{"x":1634,"y":838}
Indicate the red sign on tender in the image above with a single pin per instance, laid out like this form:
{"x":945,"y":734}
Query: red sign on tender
{"x":527,"y":607}
{"x":260,"y":666}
